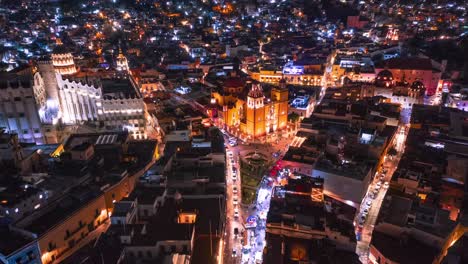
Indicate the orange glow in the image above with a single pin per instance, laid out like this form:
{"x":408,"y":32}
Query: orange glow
{"x":225,"y":10}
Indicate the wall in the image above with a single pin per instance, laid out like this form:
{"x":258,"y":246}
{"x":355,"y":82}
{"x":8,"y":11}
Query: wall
{"x":91,"y":216}
{"x":20,"y":114}
{"x":28,"y":254}
{"x":344,"y":187}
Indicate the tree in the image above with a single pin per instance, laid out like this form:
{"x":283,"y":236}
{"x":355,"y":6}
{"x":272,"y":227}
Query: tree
{"x":293,"y":117}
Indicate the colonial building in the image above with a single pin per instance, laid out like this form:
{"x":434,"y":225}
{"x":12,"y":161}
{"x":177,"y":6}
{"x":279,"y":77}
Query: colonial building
{"x":122,"y":63}
{"x":409,"y":70}
{"x":63,"y":60}
{"x":304,"y":72}
{"x":252,"y":115}
{"x":111,"y":103}
{"x":23,"y":104}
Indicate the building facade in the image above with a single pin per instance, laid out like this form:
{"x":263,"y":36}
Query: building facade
{"x":22,"y":97}
{"x":254,"y":116}
{"x":98,"y":103}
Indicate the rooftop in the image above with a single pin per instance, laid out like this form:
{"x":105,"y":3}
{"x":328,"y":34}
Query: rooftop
{"x":76,"y":199}
{"x":405,"y":250}
{"x":12,"y":241}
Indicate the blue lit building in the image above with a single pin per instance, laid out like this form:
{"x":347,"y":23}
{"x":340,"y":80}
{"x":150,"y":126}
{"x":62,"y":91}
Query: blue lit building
{"x":18,"y":246}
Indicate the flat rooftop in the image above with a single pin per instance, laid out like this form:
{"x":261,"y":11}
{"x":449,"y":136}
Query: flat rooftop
{"x":403,"y":250}
{"x":119,"y":88}
{"x":11,"y":241}
{"x":76,"y":199}
{"x":16,"y":193}
{"x":357,"y":171}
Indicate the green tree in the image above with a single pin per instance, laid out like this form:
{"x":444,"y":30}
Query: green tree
{"x":293,"y":117}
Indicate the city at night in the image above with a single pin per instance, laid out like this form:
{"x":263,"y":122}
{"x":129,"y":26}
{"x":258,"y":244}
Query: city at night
{"x":233,"y":132}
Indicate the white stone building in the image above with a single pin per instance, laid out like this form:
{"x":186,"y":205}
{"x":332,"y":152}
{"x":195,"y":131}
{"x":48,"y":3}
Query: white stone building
{"x":22,"y":95}
{"x":109,"y":104}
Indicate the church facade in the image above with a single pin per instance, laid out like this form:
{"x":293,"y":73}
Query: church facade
{"x":253,"y":116}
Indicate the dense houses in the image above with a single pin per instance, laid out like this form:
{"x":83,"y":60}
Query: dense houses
{"x":425,"y":208}
{"x":233,"y":132}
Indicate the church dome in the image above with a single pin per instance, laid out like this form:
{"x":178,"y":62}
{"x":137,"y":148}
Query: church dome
{"x":385,"y":75}
{"x":384,"y":79}
{"x":418,"y":85}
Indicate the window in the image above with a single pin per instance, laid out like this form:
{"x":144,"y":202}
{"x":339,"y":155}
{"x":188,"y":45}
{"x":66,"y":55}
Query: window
{"x":36,"y":130}
{"x":21,"y":114}
{"x":31,"y":255}
{"x":25,"y":131}
{"x":17,"y":99}
{"x":51,"y":246}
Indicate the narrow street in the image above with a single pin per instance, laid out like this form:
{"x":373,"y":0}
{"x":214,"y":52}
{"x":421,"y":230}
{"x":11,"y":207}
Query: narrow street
{"x":248,"y":244}
{"x":233,"y":220}
{"x":372,"y":202}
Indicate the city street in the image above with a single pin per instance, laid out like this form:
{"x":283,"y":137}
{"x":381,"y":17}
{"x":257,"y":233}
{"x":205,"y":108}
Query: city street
{"x":250,"y":241}
{"x":372,"y":202}
{"x":233,"y":220}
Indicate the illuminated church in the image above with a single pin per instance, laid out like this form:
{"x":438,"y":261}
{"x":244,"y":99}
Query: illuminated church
{"x":247,"y":112}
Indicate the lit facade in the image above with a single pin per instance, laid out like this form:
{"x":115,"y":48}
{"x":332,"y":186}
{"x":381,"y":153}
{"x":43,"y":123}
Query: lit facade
{"x":297,"y":78}
{"x":254,"y":116}
{"x":23,"y":98}
{"x":122,"y":63}
{"x":64,"y":63}
{"x":88,"y":102}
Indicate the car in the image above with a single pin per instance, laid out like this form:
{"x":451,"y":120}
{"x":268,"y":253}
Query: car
{"x":232,"y":144}
{"x":234,"y":253}
{"x":235,"y":201}
{"x":234,"y":177}
{"x":234,"y":189}
{"x":365,"y":211}
{"x":236,"y":213}
{"x":230,"y":154}
{"x":386,"y":185}
{"x":369,"y":203}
